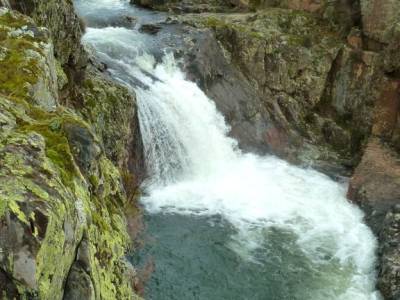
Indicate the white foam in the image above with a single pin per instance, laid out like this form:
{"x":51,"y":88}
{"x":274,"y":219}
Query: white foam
{"x":86,"y":6}
{"x":196,"y":169}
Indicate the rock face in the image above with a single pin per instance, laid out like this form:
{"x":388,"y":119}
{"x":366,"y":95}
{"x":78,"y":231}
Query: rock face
{"x":378,"y":17}
{"x":63,"y":24}
{"x":63,"y":232}
{"x":65,"y":30}
{"x":287,"y":83}
{"x":375,"y":186}
{"x":195,"y":6}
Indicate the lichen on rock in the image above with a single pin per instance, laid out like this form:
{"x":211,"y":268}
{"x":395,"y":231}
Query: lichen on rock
{"x":63,"y":231}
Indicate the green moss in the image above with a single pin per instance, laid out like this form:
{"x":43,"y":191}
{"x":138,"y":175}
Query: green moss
{"x":3,"y":206}
{"x":14,"y":207}
{"x":57,"y":148}
{"x":15,"y":160}
{"x":39,"y":114}
{"x":16,"y":81}
{"x":38,"y":172}
{"x":214,"y":22}
{"x":226,"y":24}
{"x":99,"y":218}
{"x":94,"y":181}
{"x":10,"y":20}
{"x":36,"y":190}
{"x":55,"y":255}
{"x":50,"y":125}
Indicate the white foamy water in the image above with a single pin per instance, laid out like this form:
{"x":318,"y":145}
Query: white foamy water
{"x":196,"y":169}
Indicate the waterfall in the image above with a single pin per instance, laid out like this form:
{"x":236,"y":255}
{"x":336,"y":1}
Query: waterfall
{"x":197,"y":170}
{"x":5,"y":3}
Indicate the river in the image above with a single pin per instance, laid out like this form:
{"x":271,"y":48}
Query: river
{"x":222,"y":224}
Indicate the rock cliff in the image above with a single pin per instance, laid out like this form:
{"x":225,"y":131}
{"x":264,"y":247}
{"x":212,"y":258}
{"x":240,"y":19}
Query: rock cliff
{"x":69,"y":156}
{"x":315,"y":82}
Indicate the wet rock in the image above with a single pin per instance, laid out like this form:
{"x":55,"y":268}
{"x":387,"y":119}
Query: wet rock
{"x":233,"y":94}
{"x":386,"y":110}
{"x":114,"y":21}
{"x":375,"y":186}
{"x":150,"y":28}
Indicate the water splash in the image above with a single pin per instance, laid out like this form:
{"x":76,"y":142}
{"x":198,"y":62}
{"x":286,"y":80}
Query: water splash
{"x":196,"y":169}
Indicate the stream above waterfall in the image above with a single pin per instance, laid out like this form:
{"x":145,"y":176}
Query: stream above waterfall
{"x":222,"y":224}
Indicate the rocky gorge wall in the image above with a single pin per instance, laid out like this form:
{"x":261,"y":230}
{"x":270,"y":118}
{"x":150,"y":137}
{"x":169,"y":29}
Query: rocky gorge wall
{"x":314,"y":82}
{"x":70,"y":153}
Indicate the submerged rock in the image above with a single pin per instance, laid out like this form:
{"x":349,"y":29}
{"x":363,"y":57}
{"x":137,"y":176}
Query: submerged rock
{"x":150,"y":28}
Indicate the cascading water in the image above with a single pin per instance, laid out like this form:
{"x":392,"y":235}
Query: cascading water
{"x":226,"y":221}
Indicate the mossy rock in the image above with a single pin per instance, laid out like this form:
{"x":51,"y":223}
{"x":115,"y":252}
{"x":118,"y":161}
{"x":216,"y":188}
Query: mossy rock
{"x":61,"y":199}
{"x":27,"y":61}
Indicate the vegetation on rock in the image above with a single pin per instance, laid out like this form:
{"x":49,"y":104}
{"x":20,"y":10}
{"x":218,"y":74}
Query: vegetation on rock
{"x":63,"y":232}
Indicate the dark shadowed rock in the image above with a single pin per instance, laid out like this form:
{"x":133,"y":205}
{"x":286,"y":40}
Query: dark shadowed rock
{"x":79,"y":284}
{"x":83,"y":146}
{"x":389,"y":278}
{"x":150,"y":28}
